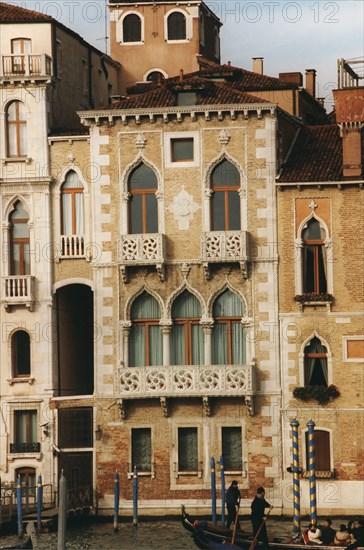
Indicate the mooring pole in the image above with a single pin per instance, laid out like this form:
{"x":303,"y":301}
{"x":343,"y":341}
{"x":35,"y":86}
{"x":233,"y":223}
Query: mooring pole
{"x":296,"y":477}
{"x":116,"y":500}
{"x":62,"y":512}
{"x":222,"y":474}
{"x":213,"y":490}
{"x":19,"y":498}
{"x":39,"y":503}
{"x":311,"y":470}
{"x":135,"y":497}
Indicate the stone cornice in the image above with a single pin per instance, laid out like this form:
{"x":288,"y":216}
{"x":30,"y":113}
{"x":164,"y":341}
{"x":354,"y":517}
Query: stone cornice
{"x":167,"y":113}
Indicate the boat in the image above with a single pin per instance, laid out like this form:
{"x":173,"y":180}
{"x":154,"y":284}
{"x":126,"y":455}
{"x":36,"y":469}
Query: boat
{"x":212,"y":532}
{"x":25,"y":544}
{"x":207,"y":536}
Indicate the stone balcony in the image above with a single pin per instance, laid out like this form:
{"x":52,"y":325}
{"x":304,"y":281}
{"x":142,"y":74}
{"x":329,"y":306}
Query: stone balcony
{"x":18,"y":290}
{"x":72,"y":246}
{"x":187,"y":381}
{"x":141,"y":250}
{"x":225,"y":247}
{"x":20,"y":67}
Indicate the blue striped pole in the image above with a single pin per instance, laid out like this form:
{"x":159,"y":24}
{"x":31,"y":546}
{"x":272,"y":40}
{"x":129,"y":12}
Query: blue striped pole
{"x":311,"y":471}
{"x":213,"y":490}
{"x":116,"y":500}
{"x":296,"y":479}
{"x":135,"y":497}
{"x":39,"y":503}
{"x":19,"y":498}
{"x":222,"y":474}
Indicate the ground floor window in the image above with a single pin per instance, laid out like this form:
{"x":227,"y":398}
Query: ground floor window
{"x":232,"y":448}
{"x":141,"y":443}
{"x":187,"y":450}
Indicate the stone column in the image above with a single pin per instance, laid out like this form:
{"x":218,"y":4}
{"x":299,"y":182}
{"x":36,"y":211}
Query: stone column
{"x":166,"y":327}
{"x":207,"y":326}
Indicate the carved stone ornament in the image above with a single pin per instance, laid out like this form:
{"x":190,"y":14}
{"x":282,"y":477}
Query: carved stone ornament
{"x":313,"y":205}
{"x":140,"y":141}
{"x":71,"y":157}
{"x":224,"y":138}
{"x":183,"y":209}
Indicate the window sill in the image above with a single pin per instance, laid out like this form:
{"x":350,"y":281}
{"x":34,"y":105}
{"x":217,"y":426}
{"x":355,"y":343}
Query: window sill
{"x":320,"y":474}
{"x":139,"y":43}
{"x":19,"y":380}
{"x":181,"y":41}
{"x":314,"y":301}
{"x":236,"y":473}
{"x":8,"y":160}
{"x":150,"y":474}
{"x":189,"y":474}
{"x":27,"y":456}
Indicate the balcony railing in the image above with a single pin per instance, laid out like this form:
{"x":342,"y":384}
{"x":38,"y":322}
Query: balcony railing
{"x":72,"y":246}
{"x":225,"y":246}
{"x":139,"y":250}
{"x":25,"y":447}
{"x":350,"y":72}
{"x":18,"y":290}
{"x":186,"y":381}
{"x":19,"y":66}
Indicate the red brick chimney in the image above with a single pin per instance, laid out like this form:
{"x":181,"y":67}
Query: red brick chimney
{"x":349,"y":109}
{"x":311,"y":81}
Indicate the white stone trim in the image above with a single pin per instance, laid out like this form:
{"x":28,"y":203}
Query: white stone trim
{"x":120,"y":29}
{"x":189,"y":26}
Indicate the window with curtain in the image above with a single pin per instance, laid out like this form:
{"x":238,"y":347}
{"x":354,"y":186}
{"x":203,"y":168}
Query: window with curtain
{"x":20,"y":47}
{"x":314,"y":258}
{"x":176,"y":24}
{"x":20,"y":354}
{"x":187,"y":342}
{"x":232,"y":448}
{"x":228,"y":338}
{"x":132,"y":28}
{"x":16,"y":130}
{"x":143,"y":208}
{"x":145,"y":337}
{"x":225,"y":202}
{"x":72,"y":213}
{"x":187,"y":450}
{"x":19,"y":241}
{"x":315,"y":364}
{"x":25,"y":432}
{"x":141,"y":449}
{"x":322,"y":450}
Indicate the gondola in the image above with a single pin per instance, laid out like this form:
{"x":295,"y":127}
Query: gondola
{"x":26,"y":544}
{"x":211,"y":531}
{"x":205,"y":534}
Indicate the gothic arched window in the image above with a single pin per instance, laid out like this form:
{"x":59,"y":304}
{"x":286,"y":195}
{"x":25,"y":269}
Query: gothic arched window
{"x":143,"y":209}
{"x":228,"y":340}
{"x":225,"y":202}
{"x":187,"y":342}
{"x":314,"y":264}
{"x":145,"y":338}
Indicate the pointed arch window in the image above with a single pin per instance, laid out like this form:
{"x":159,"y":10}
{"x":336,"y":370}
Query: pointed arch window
{"x":225,"y":204}
{"x":145,"y":339}
{"x":16,"y":130}
{"x":20,"y":354}
{"x":143,"y":208}
{"x":19,"y":241}
{"x":228,"y":339}
{"x":176,"y":25}
{"x":72,"y":210}
{"x":187,"y":336}
{"x":132,"y":28}
{"x":314,"y":265}
{"x":315,"y":364}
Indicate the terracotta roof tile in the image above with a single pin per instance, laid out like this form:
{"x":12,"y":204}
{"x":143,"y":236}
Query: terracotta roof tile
{"x":15,"y":14}
{"x":163,"y":94}
{"x":316,"y":156}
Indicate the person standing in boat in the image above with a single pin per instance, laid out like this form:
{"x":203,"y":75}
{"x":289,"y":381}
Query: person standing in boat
{"x":258,"y":507}
{"x":327,"y":532}
{"x":232,"y":503}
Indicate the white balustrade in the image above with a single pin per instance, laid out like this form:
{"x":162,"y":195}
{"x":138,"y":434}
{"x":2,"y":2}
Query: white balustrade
{"x":72,"y":246}
{"x":146,"y":249}
{"x":25,"y":65}
{"x":225,"y":246}
{"x":18,"y":289}
{"x":186,"y":381}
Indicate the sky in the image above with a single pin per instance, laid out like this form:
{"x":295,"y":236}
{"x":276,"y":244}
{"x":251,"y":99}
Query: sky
{"x":289,"y":35}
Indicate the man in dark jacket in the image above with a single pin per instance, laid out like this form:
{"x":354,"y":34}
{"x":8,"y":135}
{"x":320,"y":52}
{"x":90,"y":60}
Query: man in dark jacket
{"x":327,"y":532}
{"x":258,"y":507}
{"x":232,"y":503}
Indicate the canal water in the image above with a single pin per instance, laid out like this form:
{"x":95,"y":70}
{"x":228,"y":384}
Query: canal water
{"x":148,"y":535}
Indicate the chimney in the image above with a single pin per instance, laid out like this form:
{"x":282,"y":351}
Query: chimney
{"x":349,"y":110}
{"x":311,"y":81}
{"x":294,"y":78}
{"x":258,"y":65}
{"x":181,"y":75}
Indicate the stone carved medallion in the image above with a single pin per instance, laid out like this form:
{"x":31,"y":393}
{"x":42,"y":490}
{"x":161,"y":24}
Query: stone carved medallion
{"x":183,"y":209}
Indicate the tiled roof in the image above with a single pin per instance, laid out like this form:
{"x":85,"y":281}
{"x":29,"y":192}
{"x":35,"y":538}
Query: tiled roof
{"x":15,"y":14}
{"x":244,"y":80}
{"x":163,"y":94}
{"x":316,"y":156}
